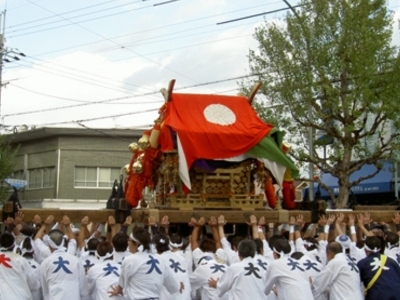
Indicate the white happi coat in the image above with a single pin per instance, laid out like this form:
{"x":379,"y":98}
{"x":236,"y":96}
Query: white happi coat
{"x":17,"y":279}
{"x":317,"y":254}
{"x":312,"y":268}
{"x":120,"y":256}
{"x":63,"y":277}
{"x":143,"y":274}
{"x":290,"y":279}
{"x":242,"y":280}
{"x":342,"y":277}
{"x":199,"y":256}
{"x":199,"y":279}
{"x":88,"y":260}
{"x":101,"y":277}
{"x":36,"y":295}
{"x":232,"y":256}
{"x":42,"y":250}
{"x":180,"y":269}
{"x":393,"y":252}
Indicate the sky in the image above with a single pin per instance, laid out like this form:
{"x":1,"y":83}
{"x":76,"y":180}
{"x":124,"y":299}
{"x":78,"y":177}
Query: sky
{"x":101,"y":64}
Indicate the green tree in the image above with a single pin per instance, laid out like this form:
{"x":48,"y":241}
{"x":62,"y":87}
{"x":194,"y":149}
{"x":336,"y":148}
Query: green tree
{"x":7,"y":155}
{"x":329,"y":67}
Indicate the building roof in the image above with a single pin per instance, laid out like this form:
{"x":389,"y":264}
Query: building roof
{"x":46,"y":132}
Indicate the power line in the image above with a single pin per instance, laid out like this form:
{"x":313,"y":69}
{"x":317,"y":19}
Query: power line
{"x":68,"y":12}
{"x":74,"y":17}
{"x":158,"y":28}
{"x":124,"y":98}
{"x":257,"y":15}
{"x":141,"y":55}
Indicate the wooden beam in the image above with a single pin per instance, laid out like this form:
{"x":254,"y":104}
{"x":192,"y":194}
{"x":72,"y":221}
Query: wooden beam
{"x":183,"y":216}
{"x":175,"y":216}
{"x":375,"y":207}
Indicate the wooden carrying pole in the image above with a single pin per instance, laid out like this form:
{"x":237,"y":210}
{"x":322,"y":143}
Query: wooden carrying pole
{"x":183,"y":216}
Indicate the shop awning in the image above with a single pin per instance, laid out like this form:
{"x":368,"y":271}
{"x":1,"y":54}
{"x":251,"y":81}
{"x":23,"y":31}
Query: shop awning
{"x":380,"y":183}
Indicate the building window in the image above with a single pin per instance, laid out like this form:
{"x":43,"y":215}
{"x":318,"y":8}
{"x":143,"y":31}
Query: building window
{"x":94,"y":177}
{"x":41,"y":178}
{"x":19,"y":174}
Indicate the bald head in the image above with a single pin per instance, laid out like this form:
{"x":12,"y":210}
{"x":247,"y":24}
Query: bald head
{"x":334,"y":248}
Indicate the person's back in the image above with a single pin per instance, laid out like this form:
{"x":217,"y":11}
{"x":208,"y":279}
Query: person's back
{"x":60,"y":276}
{"x":288,"y":276}
{"x":178,"y":265}
{"x":340,"y":276}
{"x":17,"y":279}
{"x":386,"y":286}
{"x":199,"y":279}
{"x":101,"y":276}
{"x":143,"y":275}
{"x":242,"y":277}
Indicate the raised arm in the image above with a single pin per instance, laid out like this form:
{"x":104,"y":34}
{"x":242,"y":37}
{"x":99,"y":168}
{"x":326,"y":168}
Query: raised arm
{"x":352,"y":227}
{"x":213,"y":223}
{"x":396,"y":222}
{"x":49,"y":220}
{"x":363,"y":219}
{"x":254,"y":226}
{"x":81,"y":236}
{"x":339,"y":222}
{"x":197,"y":225}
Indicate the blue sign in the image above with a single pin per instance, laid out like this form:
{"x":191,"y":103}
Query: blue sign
{"x":17,"y":183}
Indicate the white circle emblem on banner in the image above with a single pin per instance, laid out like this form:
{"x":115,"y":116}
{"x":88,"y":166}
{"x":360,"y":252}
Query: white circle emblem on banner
{"x":219,"y":114}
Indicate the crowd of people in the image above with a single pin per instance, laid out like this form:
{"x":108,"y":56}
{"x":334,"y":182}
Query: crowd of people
{"x":337,"y":258}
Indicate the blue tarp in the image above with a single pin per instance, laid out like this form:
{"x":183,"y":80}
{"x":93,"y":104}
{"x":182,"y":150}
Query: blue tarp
{"x":380,"y":183}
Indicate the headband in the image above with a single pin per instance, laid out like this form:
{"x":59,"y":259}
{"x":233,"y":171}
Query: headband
{"x":106,"y":256}
{"x":54,"y":246}
{"x":133,"y":238}
{"x":24,"y":250}
{"x":308,"y":244}
{"x":4,"y":249}
{"x":280,"y":253}
{"x":174,"y":245}
{"x":375,"y":250}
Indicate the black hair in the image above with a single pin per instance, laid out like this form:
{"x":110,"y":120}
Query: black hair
{"x":282,"y":245}
{"x":259,"y":245}
{"x":392,"y":238}
{"x":273,"y":239}
{"x":207,"y":245}
{"x":143,"y":236}
{"x":236,"y":241}
{"x":161,"y":242}
{"x":373,"y":242}
{"x":297,"y":255}
{"x":27,"y":244}
{"x":120,"y":241}
{"x":103,"y":248}
{"x":92,"y":244}
{"x":7,"y":241}
{"x":176,"y":238}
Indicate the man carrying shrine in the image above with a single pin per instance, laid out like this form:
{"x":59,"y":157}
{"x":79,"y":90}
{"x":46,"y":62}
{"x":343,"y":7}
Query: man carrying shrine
{"x":103,"y":274}
{"x":340,"y":276}
{"x":287,"y":274}
{"x":144,"y":273}
{"x":242,"y":277}
{"x":62,"y":274}
{"x":379,"y":273}
{"x":17,"y":279}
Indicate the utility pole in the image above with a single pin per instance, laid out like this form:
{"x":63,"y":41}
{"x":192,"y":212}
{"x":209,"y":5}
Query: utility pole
{"x":6,"y":55}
